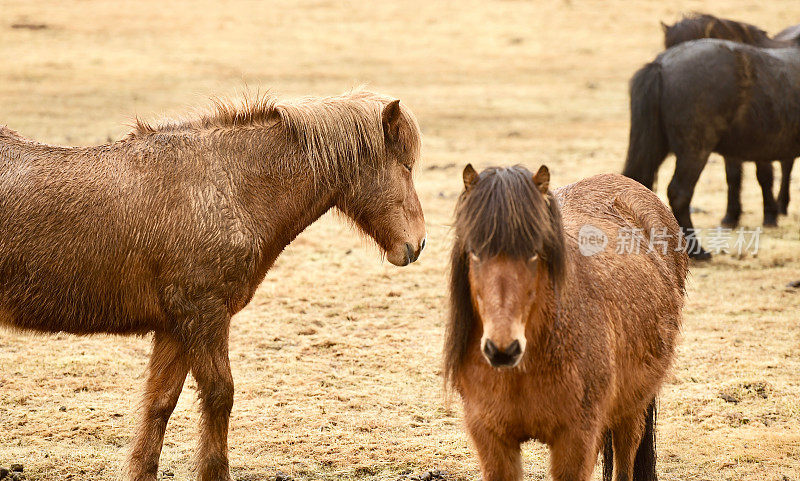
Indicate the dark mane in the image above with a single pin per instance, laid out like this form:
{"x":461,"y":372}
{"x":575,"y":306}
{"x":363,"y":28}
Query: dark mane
{"x":702,"y":25}
{"x":503,"y":213}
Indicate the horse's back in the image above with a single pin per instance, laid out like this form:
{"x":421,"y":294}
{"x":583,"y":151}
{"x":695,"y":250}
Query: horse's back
{"x":66,"y":260}
{"x":85,"y":238}
{"x":633,"y":220}
{"x":601,"y":197}
{"x":708,"y":61}
{"x":742,"y":99}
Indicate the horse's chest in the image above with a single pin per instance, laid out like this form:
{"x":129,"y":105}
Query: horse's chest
{"x":521,"y":410}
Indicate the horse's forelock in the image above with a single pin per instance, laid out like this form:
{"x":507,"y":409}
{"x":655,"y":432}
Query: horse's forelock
{"x":505,"y":213}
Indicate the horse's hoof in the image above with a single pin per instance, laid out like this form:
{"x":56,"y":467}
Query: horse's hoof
{"x":701,"y":255}
{"x":783,"y":211}
{"x":793,"y":285}
{"x":770,"y":223}
{"x":729,"y":223}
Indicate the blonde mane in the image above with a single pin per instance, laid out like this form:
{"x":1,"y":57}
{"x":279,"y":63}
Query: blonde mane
{"x":338,"y":135}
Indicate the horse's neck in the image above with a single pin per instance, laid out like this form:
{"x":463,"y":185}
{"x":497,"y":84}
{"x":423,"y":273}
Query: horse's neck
{"x":280,"y":203}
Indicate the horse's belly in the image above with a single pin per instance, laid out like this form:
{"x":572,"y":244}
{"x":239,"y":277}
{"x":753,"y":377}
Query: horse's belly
{"x":767,"y":132}
{"x":44,"y":304}
{"x":755,"y":146}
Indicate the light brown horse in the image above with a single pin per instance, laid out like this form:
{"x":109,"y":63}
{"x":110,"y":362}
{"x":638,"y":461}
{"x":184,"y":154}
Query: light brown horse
{"x":172,"y":229}
{"x":551,"y":342}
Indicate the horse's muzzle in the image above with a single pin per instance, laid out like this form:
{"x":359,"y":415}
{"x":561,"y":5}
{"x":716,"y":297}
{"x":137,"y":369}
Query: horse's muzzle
{"x":508,"y":357}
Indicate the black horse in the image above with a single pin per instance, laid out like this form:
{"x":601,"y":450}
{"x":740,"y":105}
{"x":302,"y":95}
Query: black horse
{"x":709,"y":96}
{"x":702,"y":25}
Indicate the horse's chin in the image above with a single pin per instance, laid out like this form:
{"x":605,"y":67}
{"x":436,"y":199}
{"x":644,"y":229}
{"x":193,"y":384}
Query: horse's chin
{"x":398,"y":259}
{"x":406,"y":253}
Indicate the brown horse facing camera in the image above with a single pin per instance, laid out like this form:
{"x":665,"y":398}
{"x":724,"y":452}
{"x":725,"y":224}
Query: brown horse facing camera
{"x":551,"y":342}
{"x":172,"y":229}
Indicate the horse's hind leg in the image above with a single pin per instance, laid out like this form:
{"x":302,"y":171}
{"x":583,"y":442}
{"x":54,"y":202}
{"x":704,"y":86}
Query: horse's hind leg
{"x":626,"y":436}
{"x":733,"y":174}
{"x":165,"y":377}
{"x":500,"y":458}
{"x":786,"y":177}
{"x":212,"y":371}
{"x":688,"y":167}
{"x":765,"y":178}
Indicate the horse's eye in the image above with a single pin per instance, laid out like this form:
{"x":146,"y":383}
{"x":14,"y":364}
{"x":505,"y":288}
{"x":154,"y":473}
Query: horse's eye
{"x":474,"y":257}
{"x":534,"y":258}
{"x":407,"y":167}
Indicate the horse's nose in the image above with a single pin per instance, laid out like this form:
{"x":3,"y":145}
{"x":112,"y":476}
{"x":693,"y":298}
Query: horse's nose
{"x":413,"y":254}
{"x":505,"y":357}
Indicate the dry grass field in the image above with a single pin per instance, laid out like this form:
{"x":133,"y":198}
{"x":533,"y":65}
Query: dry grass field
{"x":336,"y":360}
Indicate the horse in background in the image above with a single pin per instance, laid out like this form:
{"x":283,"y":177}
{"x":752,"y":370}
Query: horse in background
{"x":697,"y":26}
{"x":703,"y":25}
{"x":551,"y":342}
{"x":711,"y":95}
{"x":172,"y":229}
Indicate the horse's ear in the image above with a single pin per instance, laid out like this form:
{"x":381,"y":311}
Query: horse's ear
{"x":470,"y":176}
{"x":542,"y":179}
{"x":391,"y":121}
{"x":664,"y":26}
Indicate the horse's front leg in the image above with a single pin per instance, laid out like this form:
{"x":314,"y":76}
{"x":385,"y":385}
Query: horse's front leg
{"x":211,"y":369}
{"x":573,"y":454}
{"x":165,"y":377}
{"x":689,"y":165}
{"x":500,"y":457}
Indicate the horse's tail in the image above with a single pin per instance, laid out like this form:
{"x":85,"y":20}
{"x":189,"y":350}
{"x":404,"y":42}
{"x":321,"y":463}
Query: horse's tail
{"x":644,"y":464}
{"x":608,"y":457}
{"x":648,"y":144}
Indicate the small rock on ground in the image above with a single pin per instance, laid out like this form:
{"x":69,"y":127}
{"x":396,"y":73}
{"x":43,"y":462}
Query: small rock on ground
{"x":12,"y":474}
{"x":434,"y":475}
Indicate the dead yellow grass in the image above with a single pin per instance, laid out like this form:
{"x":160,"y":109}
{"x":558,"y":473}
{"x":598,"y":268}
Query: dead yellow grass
{"x":336,"y":359}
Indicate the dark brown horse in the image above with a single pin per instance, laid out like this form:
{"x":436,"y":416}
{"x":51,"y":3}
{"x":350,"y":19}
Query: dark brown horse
{"x":708,"y":96}
{"x":172,"y":229}
{"x":557,"y":331}
{"x":697,"y":26}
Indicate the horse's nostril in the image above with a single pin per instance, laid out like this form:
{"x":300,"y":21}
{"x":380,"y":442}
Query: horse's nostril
{"x":422,"y":246}
{"x":489,"y":349}
{"x":410,"y":253}
{"x":514,"y":350}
